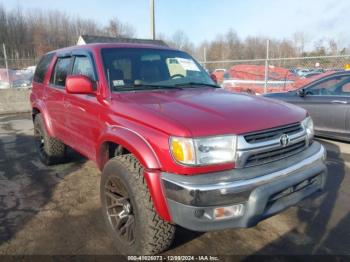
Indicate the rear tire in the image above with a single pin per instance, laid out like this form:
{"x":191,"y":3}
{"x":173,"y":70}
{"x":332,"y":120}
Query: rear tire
{"x":128,"y":209}
{"x":51,"y":151}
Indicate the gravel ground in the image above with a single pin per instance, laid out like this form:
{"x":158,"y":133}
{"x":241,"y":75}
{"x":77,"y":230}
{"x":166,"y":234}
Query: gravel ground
{"x":55,"y":210}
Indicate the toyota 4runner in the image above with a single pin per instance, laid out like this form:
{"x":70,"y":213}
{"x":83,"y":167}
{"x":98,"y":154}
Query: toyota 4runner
{"x":174,"y":148}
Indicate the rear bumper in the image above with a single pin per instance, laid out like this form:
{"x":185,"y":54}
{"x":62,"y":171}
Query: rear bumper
{"x":261,"y":191}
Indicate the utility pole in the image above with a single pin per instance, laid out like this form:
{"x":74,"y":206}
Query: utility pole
{"x":6,"y":65}
{"x":266,"y":66}
{"x":153,"y":26}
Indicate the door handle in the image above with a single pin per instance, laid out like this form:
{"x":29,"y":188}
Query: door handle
{"x":339,"y":102}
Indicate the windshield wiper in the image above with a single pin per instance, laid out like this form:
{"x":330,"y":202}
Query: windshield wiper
{"x":179,"y":86}
{"x":144,"y":87}
{"x":160,"y":86}
{"x":191,"y":84}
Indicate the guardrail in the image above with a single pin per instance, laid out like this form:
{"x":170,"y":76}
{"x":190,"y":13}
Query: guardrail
{"x":13,"y":101}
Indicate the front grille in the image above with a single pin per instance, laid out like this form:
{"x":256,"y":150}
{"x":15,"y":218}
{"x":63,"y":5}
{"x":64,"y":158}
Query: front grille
{"x":273,"y":133}
{"x":276,"y":154}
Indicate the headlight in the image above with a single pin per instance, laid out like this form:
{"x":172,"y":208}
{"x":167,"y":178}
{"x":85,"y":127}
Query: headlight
{"x":203,"y":151}
{"x":309,"y":127}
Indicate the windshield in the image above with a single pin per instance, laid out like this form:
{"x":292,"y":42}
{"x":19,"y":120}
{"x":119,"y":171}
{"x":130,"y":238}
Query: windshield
{"x":140,"y":68}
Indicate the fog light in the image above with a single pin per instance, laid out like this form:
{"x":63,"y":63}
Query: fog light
{"x":199,"y":213}
{"x":229,"y":211}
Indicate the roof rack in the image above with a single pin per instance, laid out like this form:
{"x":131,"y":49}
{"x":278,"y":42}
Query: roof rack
{"x":90,"y":39}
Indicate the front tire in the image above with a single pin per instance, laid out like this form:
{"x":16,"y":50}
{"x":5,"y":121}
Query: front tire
{"x":128,"y":209}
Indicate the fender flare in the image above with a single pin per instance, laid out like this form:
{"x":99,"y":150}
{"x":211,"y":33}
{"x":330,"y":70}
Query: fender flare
{"x":135,"y":143}
{"x":40,"y":106}
{"x":131,"y":141}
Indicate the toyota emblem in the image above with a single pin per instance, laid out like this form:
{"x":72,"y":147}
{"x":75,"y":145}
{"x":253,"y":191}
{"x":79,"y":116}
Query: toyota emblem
{"x":284,"y":140}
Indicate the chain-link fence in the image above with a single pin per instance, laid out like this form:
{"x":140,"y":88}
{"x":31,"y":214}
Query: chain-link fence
{"x":275,"y":74}
{"x":17,"y":73}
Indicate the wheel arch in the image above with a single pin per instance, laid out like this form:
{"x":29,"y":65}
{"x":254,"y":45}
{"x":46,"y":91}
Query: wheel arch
{"x":39,"y":108}
{"x":130,"y":141}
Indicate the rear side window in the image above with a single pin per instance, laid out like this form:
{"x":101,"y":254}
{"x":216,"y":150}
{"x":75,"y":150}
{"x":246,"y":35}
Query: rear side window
{"x":42,"y":67}
{"x":60,"y":72}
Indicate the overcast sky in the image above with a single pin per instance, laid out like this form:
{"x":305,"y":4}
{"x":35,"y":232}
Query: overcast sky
{"x":204,"y":19}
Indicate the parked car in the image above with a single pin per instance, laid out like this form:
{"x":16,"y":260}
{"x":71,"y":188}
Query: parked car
{"x":218,"y":75}
{"x":16,"y":78}
{"x":327,"y":99}
{"x":21,"y":83}
{"x":251,"y":79}
{"x":303,"y":71}
{"x":311,"y":74}
{"x":174,"y":149}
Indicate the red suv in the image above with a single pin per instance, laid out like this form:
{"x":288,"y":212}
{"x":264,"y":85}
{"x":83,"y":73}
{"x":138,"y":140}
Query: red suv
{"x":174,"y":149}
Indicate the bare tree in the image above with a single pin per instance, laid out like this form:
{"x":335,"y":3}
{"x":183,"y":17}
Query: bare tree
{"x":32,"y":33}
{"x":255,"y":47}
{"x":181,"y":41}
{"x":332,"y":47}
{"x":320,"y":49}
{"x":299,"y":39}
{"x":116,"y":28}
{"x":233,"y":45}
{"x":35,"y":32}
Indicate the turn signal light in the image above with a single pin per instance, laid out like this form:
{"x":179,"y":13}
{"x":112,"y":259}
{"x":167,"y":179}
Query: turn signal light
{"x":228,"y":212}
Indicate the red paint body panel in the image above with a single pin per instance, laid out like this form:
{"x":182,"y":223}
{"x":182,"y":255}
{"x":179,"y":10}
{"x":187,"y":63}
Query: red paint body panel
{"x":142,"y":122}
{"x":205,"y":111}
{"x":156,"y":190}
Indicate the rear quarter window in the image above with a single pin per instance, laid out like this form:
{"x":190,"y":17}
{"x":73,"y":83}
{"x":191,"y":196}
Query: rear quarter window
{"x":42,"y":67}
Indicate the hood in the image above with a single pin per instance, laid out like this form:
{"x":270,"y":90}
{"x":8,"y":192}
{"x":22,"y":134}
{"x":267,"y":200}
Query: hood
{"x":205,"y":111}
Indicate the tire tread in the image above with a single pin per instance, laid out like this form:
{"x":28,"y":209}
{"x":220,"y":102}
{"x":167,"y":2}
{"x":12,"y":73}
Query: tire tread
{"x":160,"y":234}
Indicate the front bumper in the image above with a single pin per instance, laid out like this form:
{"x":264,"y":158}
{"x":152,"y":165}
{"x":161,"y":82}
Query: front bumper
{"x":261,"y":190}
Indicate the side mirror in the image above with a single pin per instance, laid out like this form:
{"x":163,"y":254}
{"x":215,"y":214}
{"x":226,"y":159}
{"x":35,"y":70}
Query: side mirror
{"x":214,"y":78}
{"x":301,"y":92}
{"x":79,"y":84}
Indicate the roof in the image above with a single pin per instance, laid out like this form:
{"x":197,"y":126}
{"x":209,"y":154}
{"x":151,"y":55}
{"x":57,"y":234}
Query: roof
{"x":90,"y":39}
{"x":99,"y":46}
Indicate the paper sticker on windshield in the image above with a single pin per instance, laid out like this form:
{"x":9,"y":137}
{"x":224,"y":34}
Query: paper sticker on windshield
{"x":118,"y":82}
{"x":187,"y":64}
